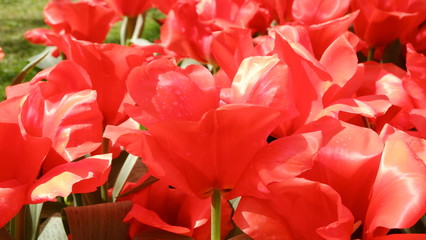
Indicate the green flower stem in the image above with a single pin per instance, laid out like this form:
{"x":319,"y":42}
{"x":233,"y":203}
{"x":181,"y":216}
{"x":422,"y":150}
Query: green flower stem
{"x":78,"y":200}
{"x":18,"y":224}
{"x":215,"y":215}
{"x":104,"y":188}
{"x":370,"y":56}
{"x":140,"y":23}
{"x":127,"y":29}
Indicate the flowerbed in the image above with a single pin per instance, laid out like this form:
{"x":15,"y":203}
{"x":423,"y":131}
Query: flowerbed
{"x":245,"y":119}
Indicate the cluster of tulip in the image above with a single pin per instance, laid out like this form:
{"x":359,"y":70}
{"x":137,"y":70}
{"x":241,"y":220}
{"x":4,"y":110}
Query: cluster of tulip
{"x":251,"y":119}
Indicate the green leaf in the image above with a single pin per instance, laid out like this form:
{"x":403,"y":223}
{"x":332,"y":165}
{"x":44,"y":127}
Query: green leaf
{"x":151,"y":30}
{"x":101,"y":221}
{"x":234,"y":202}
{"x":48,"y":61}
{"x":33,"y":220}
{"x":123,"y":175}
{"x":28,"y":68}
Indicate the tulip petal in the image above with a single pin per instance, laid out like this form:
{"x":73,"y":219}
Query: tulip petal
{"x":285,"y":214}
{"x":164,"y":91}
{"x":72,"y":121}
{"x":399,"y":191}
{"x":348,"y":162}
{"x":75,"y":177}
{"x":198,"y":157}
{"x":12,"y":197}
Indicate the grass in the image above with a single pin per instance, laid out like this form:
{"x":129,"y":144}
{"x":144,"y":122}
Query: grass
{"x":16,"y":17}
{"x":19,"y":16}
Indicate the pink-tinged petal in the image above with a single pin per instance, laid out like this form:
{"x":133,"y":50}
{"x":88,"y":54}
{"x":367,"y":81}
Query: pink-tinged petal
{"x":309,"y":80}
{"x":75,"y":177}
{"x":309,"y":12}
{"x":287,"y":157}
{"x":341,"y":61}
{"x":12,"y":197}
{"x":298,"y":34}
{"x":386,"y":79}
{"x":415,"y":83}
{"x":414,"y":142}
{"x":1,"y":53}
{"x":372,"y":72}
{"x":323,"y":34}
{"x":264,"y":81}
{"x":281,"y":160}
{"x":129,"y":139}
{"x":230,"y":47}
{"x":418,"y":117}
{"x":38,"y":36}
{"x":284,"y":214}
{"x":260,"y":220}
{"x":370,"y":106}
{"x":164,"y":91}
{"x":391,"y":86}
{"x":73,"y":122}
{"x":198,"y":157}
{"x":348,"y":162}
{"x":399,"y":192}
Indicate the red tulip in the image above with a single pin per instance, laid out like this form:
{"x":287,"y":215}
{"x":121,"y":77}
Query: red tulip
{"x":64,"y":111}
{"x":21,"y":160}
{"x":414,"y":83}
{"x":198,"y":157}
{"x":310,"y":13}
{"x":82,"y":20}
{"x":82,"y":176}
{"x":281,"y":160}
{"x":230,"y":47}
{"x":387,"y":80}
{"x":72,"y":121}
{"x":419,"y":41}
{"x":398,"y":193}
{"x":382,"y":187}
{"x":130,"y":8}
{"x":375,"y":17}
{"x":160,"y":206}
{"x":295,"y":209}
{"x":107,"y":66}
{"x":164,"y":91}
{"x":307,"y":12}
{"x":185,"y":33}
{"x":1,"y":54}
{"x":190,"y":24}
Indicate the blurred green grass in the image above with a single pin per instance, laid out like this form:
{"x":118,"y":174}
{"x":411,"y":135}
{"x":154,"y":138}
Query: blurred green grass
{"x":16,"y":17}
{"x":19,"y":16}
